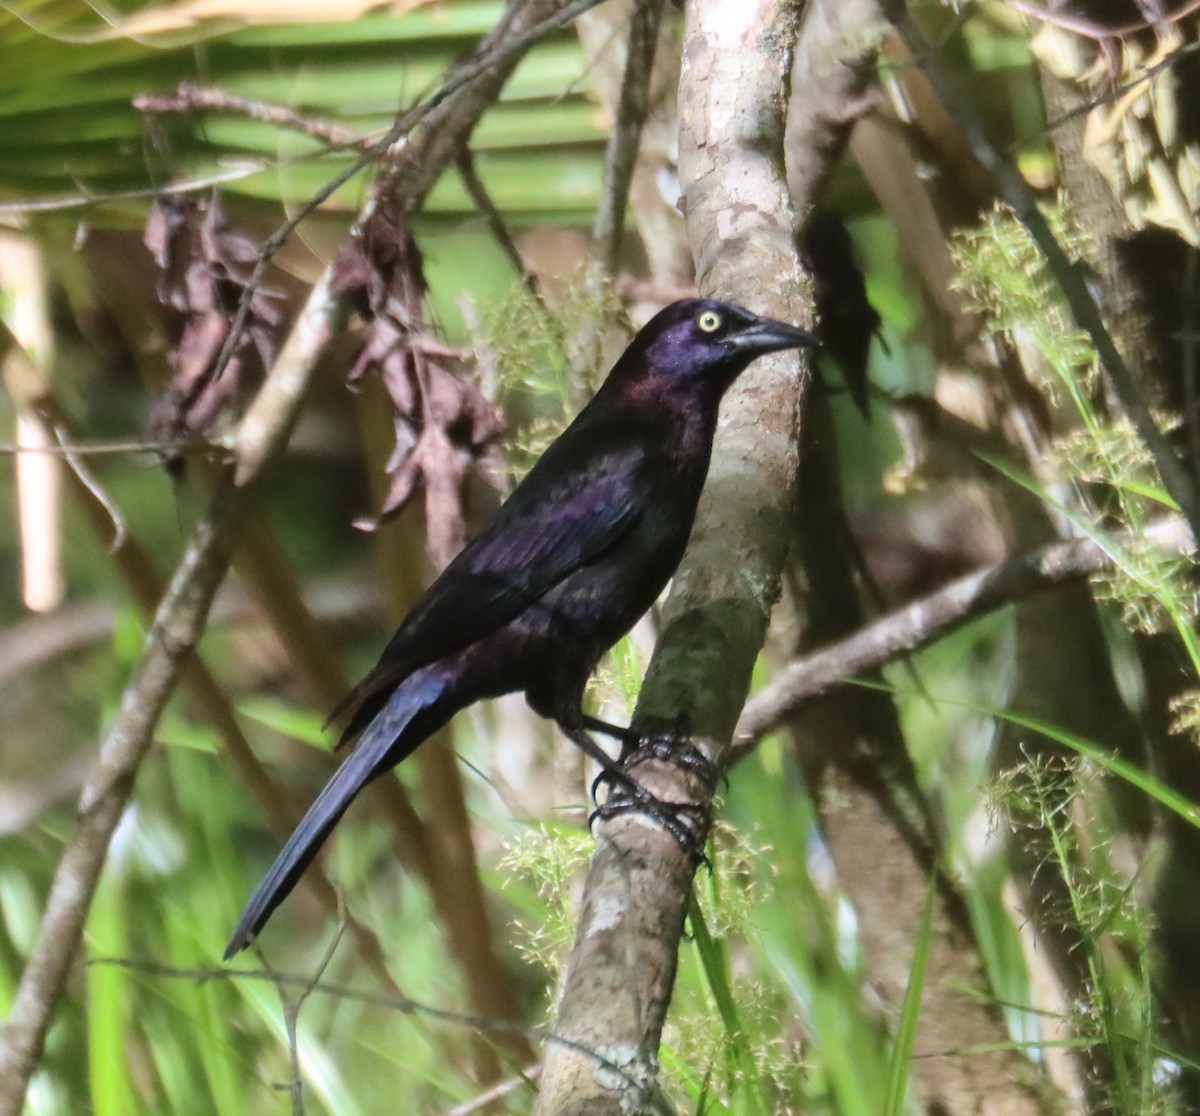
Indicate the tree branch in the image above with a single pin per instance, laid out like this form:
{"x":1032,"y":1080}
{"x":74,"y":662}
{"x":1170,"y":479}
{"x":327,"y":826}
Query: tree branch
{"x":177,"y":624}
{"x":183,"y":611}
{"x":925,"y":621}
{"x":483,"y":73}
{"x":621,"y":972}
{"x":620,"y":156}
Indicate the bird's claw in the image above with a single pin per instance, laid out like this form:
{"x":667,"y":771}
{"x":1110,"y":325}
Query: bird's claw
{"x":670,"y":749}
{"x":687,"y":822}
{"x":666,"y":748}
{"x":684,"y":821}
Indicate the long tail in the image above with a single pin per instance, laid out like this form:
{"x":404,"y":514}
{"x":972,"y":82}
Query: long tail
{"x":416,"y":709}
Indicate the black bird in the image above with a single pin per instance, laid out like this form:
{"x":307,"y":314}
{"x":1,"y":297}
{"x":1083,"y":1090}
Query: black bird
{"x":582,"y":548}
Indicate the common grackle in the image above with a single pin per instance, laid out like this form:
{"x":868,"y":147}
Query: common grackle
{"x":582,"y":547}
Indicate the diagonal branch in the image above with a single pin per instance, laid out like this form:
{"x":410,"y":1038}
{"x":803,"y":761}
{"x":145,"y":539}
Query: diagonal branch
{"x":633,"y":106}
{"x":923,"y":622}
{"x":183,"y":611}
{"x":484,"y":72}
{"x":177,"y":625}
{"x":482,"y":199}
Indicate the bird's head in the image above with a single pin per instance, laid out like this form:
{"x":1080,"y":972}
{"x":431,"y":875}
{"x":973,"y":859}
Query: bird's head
{"x":700,"y":346}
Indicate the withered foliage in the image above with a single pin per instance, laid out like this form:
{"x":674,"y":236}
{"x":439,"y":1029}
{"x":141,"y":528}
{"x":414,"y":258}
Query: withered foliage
{"x":205,"y":267}
{"x":443,"y":423}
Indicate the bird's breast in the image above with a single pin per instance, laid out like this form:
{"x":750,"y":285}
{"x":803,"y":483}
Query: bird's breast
{"x":608,"y":595}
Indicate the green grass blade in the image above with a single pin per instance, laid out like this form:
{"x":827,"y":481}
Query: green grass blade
{"x":287,"y":719}
{"x":110,"y":992}
{"x":1114,"y":765}
{"x":910,"y":1011}
{"x":714,"y":964}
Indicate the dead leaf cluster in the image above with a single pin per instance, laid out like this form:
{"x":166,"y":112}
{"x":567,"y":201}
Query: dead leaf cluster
{"x":443,"y":423}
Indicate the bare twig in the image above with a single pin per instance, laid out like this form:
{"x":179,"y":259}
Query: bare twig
{"x":660,"y":226}
{"x":291,"y":1015}
{"x":191,"y":97}
{"x":526,"y":1079}
{"x":386,"y":1000}
{"x":171,"y":448}
{"x":495,"y":219}
{"x":925,"y":621}
{"x":86,"y":478}
{"x":1090,"y":29}
{"x":500,"y":57}
{"x":1013,"y":189}
{"x":244,"y":168}
{"x":621,"y":153}
{"x":1118,"y":92}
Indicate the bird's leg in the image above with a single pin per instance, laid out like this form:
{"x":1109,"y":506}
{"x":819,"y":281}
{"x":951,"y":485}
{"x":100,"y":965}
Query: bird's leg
{"x":677,"y":818}
{"x":628,"y":738}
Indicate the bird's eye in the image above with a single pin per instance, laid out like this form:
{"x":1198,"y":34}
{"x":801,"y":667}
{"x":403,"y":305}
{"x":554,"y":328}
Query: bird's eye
{"x":709,"y":321}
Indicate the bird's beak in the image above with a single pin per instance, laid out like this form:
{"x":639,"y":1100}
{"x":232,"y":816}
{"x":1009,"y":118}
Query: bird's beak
{"x":765,"y":335}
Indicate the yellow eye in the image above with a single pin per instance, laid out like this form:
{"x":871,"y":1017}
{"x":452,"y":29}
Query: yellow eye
{"x":709,"y":321}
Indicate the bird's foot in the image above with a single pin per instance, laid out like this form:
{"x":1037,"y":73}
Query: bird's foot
{"x":671,"y":749}
{"x":665,"y":748}
{"x":687,"y":822}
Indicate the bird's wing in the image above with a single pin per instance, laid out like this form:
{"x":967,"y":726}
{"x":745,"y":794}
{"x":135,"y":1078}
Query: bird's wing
{"x":521,"y":558}
{"x":558,"y":520}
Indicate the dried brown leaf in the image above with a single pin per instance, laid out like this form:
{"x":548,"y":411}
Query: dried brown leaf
{"x":443,"y":423}
{"x":205,"y":267}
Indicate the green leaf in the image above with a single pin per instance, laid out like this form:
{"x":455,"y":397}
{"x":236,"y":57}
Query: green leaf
{"x":288,"y":720}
